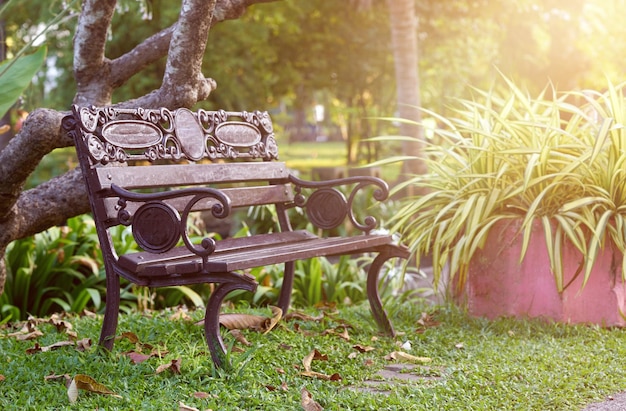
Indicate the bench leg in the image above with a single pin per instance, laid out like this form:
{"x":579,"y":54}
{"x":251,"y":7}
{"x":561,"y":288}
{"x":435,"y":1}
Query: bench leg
{"x":212,"y":315}
{"x":111,"y":311}
{"x":378,"y":312}
{"x":285,"y":291}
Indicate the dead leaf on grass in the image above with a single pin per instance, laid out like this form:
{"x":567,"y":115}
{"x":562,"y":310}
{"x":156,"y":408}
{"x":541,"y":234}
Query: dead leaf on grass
{"x":21,"y":336}
{"x":137,"y":357}
{"x":402,"y":356}
{"x":2,"y":378}
{"x":321,"y":376}
{"x":307,"y":401}
{"x":66,"y":377}
{"x":59,"y":324}
{"x":306,"y":363}
{"x":86,"y":383}
{"x":202,"y":395}
{"x":313,"y":355}
{"x":37,"y":348}
{"x":181,"y":314}
{"x":173,"y":366}
{"x":240,"y":338}
{"x":363,"y":348}
{"x":183,"y":407}
{"x":238,"y":321}
{"x":426,"y":321}
{"x":133,"y":338}
{"x":84,"y":344}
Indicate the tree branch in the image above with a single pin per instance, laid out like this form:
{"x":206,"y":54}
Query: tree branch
{"x":41,"y":134}
{"x":157,"y":46}
{"x":90,"y":65}
{"x":49,"y":204}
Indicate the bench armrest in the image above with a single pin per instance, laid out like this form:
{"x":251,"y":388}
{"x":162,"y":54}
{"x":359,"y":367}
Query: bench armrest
{"x":327,"y":207}
{"x":170,"y":226}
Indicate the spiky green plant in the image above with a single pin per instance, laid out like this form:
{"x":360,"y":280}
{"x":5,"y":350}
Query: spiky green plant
{"x":506,"y":155}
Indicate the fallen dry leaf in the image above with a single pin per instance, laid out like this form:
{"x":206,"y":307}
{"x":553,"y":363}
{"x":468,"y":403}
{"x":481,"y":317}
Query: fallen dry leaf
{"x":173,"y":366}
{"x":53,"y":376}
{"x":140,"y":346}
{"x":201,"y":395}
{"x":183,"y":407}
{"x":86,"y":383}
{"x":72,"y":392}
{"x":27,"y":336}
{"x":426,"y":321}
{"x":363,"y":348}
{"x":313,"y":355}
{"x":240,"y":338}
{"x":59,"y":324}
{"x":137,"y":357}
{"x":344,"y":334}
{"x":2,"y":378}
{"x":84,"y":344}
{"x":277,"y":314}
{"x":307,"y":401}
{"x":321,"y":376}
{"x":237,"y":321}
{"x":180,"y":314}
{"x":37,"y":348}
{"x":402,"y":356}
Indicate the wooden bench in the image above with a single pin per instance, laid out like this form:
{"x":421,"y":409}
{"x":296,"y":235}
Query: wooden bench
{"x":151,"y":169}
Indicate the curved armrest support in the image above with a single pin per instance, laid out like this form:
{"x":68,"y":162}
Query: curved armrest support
{"x":170,"y":226}
{"x":327,"y":207}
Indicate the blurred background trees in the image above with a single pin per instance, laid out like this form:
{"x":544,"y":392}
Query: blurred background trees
{"x":324,"y":67}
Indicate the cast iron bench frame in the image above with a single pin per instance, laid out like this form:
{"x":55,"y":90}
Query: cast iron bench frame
{"x":216,"y":161}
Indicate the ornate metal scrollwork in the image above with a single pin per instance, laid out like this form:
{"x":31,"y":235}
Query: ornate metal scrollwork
{"x":114,"y":134}
{"x":327,"y":205}
{"x":157,"y":226}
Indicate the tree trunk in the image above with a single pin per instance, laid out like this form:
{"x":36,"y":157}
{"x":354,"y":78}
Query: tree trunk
{"x":406,"y":57}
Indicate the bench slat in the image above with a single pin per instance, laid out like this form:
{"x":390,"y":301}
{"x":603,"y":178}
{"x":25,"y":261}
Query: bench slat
{"x":248,"y":252}
{"x":240,"y":197}
{"x":176,"y":175}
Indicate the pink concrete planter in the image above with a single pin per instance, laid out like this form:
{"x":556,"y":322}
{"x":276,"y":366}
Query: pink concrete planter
{"x":498,"y":285}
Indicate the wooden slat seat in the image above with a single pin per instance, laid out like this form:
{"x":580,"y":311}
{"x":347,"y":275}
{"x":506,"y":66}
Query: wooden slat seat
{"x":150,"y":169}
{"x":249,"y":252}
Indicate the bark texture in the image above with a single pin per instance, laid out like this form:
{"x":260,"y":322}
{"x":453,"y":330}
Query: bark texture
{"x":406,"y":58}
{"x":27,"y":212}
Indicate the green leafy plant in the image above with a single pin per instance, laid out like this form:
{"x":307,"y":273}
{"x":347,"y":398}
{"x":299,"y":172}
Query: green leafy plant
{"x":16,"y":73}
{"x":506,"y":155}
{"x":52,"y":271}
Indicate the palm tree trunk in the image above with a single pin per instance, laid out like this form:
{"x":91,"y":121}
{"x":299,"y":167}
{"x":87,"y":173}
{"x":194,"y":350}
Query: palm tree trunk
{"x":406,"y":56}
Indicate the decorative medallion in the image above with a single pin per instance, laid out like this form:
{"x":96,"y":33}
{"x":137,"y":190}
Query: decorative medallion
{"x":327,"y":208}
{"x":238,"y":134}
{"x":156,"y":227}
{"x":131,"y":133}
{"x":190,"y":134}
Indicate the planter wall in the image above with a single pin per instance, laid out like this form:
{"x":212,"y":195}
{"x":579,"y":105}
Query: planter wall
{"x":498,"y":285}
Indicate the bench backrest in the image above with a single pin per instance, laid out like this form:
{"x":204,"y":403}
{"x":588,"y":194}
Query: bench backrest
{"x":141,"y":149}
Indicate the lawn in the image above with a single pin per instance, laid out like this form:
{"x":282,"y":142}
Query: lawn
{"x":458,"y":363}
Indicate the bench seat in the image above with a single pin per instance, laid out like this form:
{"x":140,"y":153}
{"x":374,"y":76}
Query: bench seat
{"x":234,"y":254}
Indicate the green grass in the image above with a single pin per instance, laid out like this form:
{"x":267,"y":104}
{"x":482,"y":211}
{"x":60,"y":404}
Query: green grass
{"x":476,"y":365}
